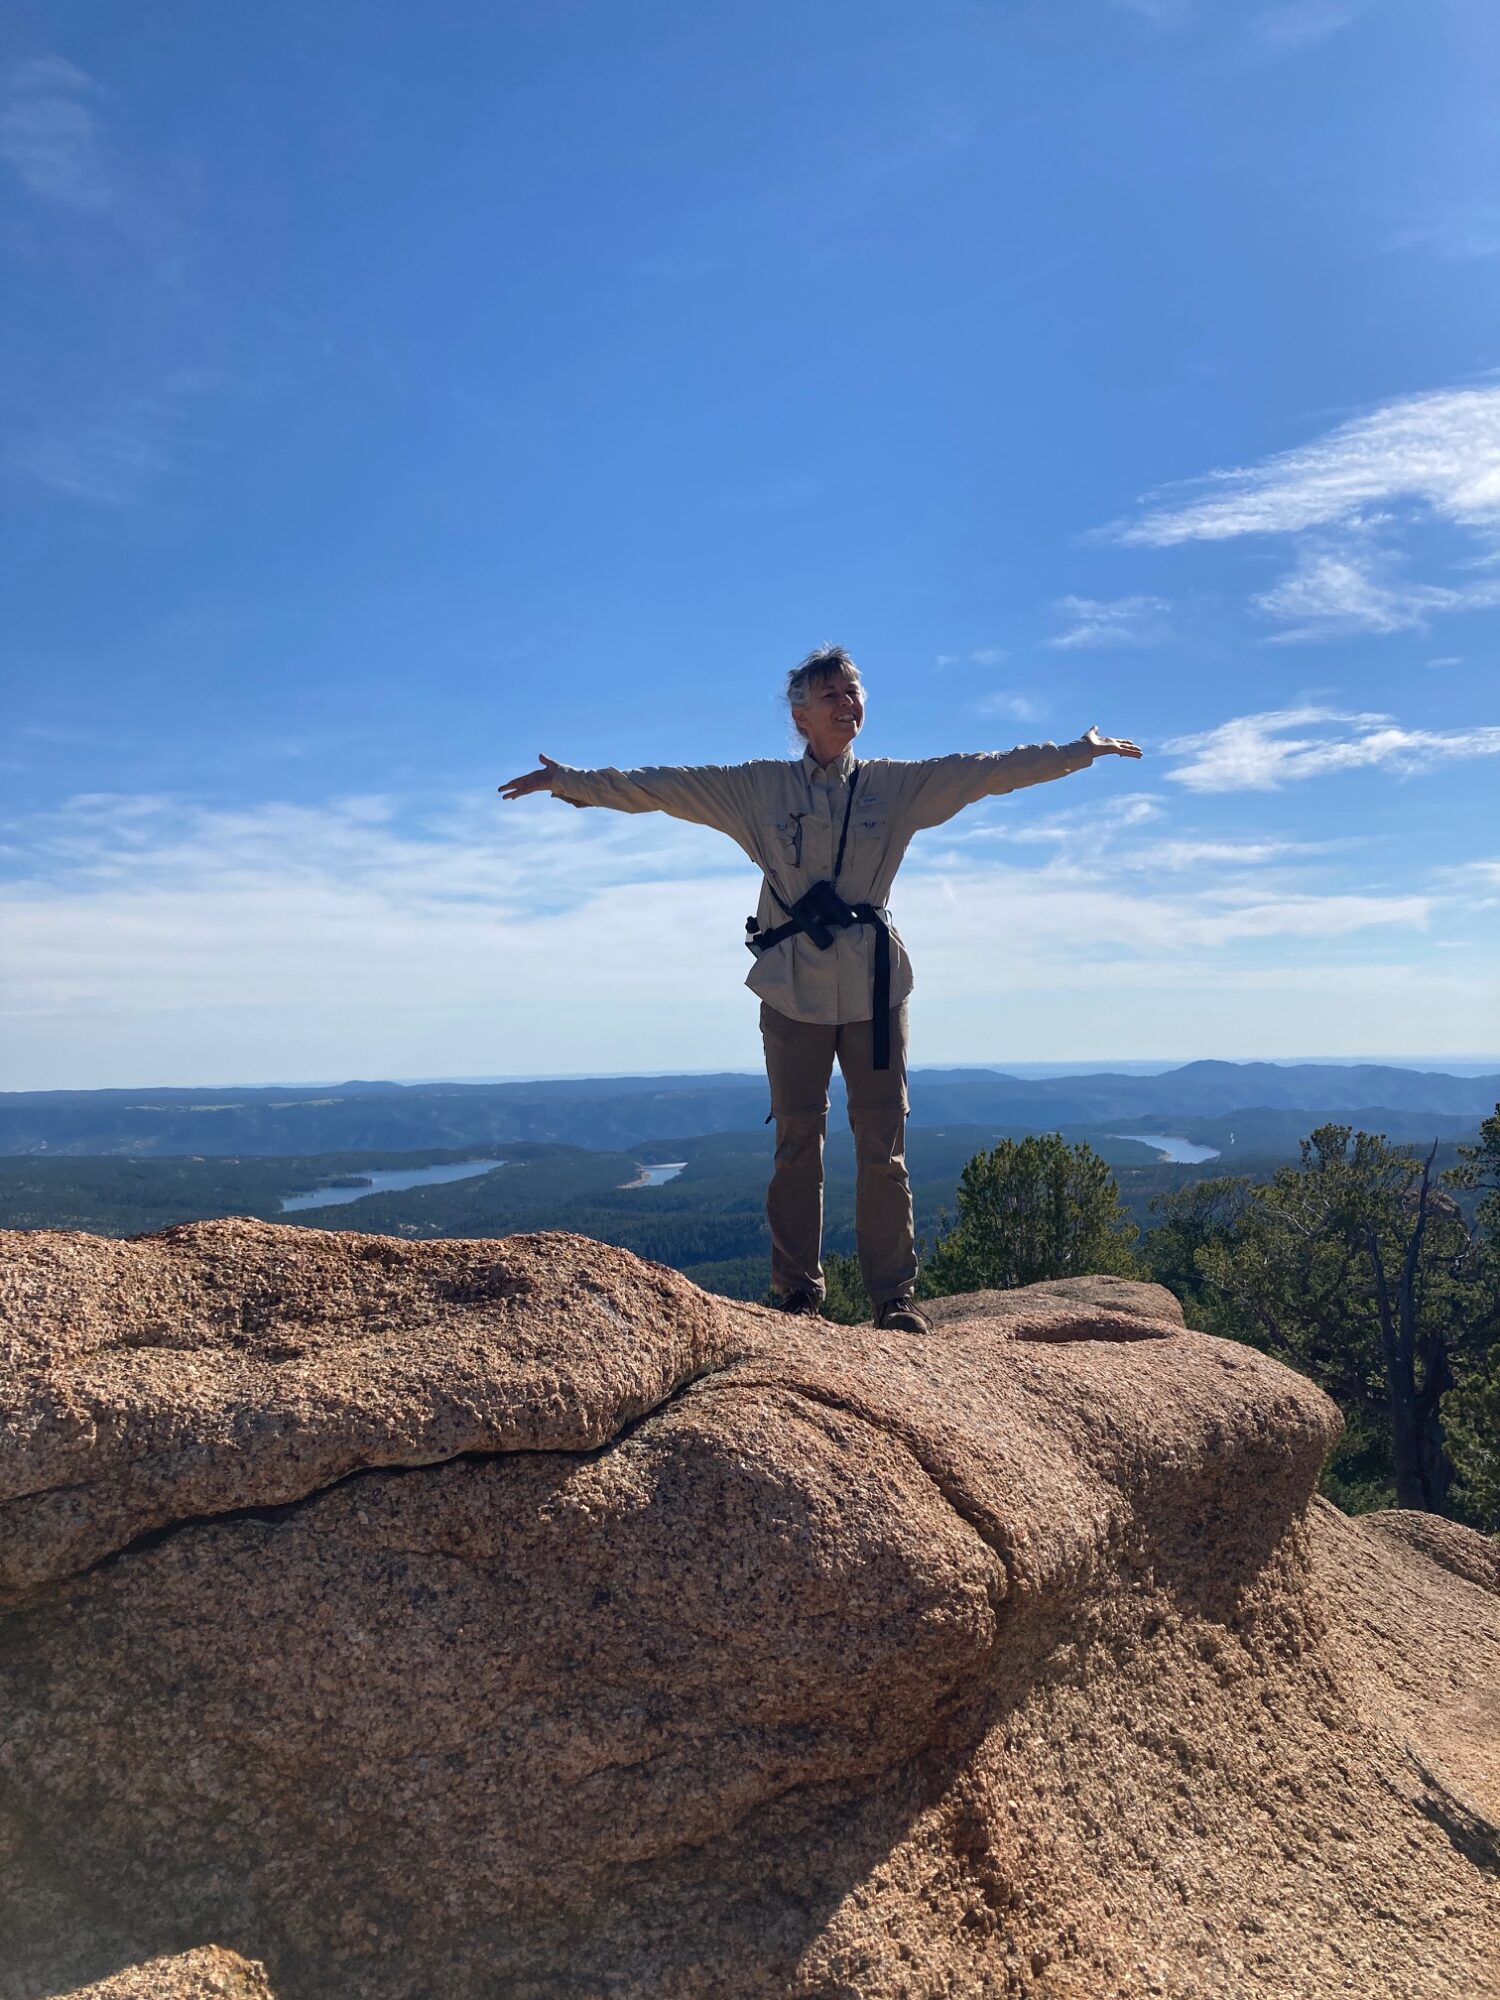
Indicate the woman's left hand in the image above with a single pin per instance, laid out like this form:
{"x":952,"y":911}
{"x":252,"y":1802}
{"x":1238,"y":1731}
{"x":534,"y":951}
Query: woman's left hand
{"x":1108,"y":746}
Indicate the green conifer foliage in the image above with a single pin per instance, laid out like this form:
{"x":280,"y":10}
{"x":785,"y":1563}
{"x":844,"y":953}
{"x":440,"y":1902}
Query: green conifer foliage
{"x":1356,"y":1268}
{"x":1472,"y":1408}
{"x":1031,"y":1209}
{"x":844,"y":1298}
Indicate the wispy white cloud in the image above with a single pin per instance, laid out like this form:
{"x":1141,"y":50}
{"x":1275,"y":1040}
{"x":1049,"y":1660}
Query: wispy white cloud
{"x":1180,"y":855}
{"x":1087,"y":842}
{"x":1465,"y":234}
{"x":1348,"y":498}
{"x":1160,"y":14}
{"x":1481,"y":874}
{"x":1039,"y":914}
{"x":152,"y":940}
{"x":1281,"y":29}
{"x":1257,"y":753}
{"x":498,"y":852}
{"x":1008,"y":704}
{"x":1355,"y":586}
{"x":1118,"y":621}
{"x":981,"y":656}
{"x":50,"y":134}
{"x":1441,"y":449}
{"x":1475,"y":889}
{"x":1081,"y":829}
{"x":108,"y":462}
{"x":232,"y":927}
{"x":1301,"y":23}
{"x":113,"y":459}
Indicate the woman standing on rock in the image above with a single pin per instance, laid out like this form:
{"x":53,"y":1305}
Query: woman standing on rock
{"x":828,"y":834}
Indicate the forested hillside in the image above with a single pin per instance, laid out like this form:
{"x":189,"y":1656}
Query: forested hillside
{"x":1258,"y":1105}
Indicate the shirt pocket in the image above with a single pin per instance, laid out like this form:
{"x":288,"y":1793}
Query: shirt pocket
{"x":869,"y":833}
{"x":782,"y":834}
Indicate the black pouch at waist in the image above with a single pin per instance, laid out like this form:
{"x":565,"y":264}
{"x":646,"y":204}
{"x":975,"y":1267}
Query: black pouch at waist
{"x":817,"y":914}
{"x":820,"y":912}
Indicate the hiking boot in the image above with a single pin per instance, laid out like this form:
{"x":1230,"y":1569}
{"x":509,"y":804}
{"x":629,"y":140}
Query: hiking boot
{"x":802,"y":1304}
{"x":903,"y":1315}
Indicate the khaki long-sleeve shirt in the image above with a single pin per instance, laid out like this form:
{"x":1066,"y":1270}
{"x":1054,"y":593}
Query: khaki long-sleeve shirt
{"x":787,"y":814}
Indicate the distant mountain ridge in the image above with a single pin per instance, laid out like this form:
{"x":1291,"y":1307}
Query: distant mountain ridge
{"x":622,"y":1111}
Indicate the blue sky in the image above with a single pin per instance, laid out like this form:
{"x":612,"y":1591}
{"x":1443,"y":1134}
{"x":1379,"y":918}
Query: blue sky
{"x":391,"y":393}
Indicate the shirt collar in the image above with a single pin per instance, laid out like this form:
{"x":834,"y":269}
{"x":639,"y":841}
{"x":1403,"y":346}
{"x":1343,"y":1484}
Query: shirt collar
{"x":841,"y":766}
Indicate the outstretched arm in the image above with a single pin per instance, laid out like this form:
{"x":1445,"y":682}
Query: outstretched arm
{"x":942,"y":786}
{"x":715,"y":795}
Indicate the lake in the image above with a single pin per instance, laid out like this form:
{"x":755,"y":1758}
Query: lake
{"x":388,"y":1183}
{"x":1181,"y":1152}
{"x":658,"y":1176}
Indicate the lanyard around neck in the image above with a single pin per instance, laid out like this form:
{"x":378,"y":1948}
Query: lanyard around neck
{"x":844,"y":833}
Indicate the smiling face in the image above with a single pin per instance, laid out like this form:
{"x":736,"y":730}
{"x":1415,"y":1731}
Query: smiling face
{"x":832,"y":715}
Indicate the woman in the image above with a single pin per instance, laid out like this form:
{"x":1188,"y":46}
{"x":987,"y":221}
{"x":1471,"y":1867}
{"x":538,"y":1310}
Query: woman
{"x":828,"y":834}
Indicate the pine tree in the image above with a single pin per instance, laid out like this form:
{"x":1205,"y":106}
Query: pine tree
{"x":1472,"y":1409}
{"x":1032,"y":1209}
{"x":1356,"y":1268}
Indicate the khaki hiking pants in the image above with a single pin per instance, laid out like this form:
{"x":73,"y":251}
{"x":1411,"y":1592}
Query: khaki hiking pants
{"x":799,"y":1063}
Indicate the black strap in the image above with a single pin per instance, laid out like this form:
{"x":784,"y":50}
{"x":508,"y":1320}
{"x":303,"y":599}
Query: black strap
{"x":844,"y":833}
{"x":782,"y":904}
{"x":760,"y":940}
{"x":880,"y":1000}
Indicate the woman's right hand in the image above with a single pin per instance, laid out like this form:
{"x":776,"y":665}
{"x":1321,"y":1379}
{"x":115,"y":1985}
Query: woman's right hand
{"x":1108,"y":746}
{"x":533,"y":781}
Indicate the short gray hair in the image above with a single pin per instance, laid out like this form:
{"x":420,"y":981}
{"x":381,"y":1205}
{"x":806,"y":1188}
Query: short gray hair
{"x":822,"y":664}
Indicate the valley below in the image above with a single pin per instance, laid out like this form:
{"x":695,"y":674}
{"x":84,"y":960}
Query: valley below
{"x":673,"y":1168}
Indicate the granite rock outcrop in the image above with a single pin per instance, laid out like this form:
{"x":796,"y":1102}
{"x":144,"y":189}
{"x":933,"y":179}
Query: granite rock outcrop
{"x":513,"y":1617}
{"x":205,"y":1974}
